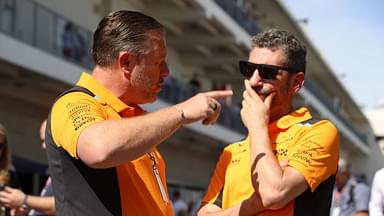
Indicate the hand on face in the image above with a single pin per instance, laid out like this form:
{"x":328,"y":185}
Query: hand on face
{"x":204,"y":106}
{"x":255,"y":110}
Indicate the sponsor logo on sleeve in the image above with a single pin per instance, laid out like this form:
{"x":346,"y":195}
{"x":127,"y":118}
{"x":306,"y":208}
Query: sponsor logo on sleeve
{"x":80,"y":114}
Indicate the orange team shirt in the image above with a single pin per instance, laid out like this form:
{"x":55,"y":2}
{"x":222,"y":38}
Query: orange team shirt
{"x":139,"y":190}
{"x":312,"y":149}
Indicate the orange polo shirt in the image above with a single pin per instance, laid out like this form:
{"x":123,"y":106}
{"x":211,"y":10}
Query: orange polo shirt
{"x":311,"y":147}
{"x":139,"y":189}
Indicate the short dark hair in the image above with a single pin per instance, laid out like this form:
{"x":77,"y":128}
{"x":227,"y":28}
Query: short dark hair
{"x":122,"y":31}
{"x":294,"y":50}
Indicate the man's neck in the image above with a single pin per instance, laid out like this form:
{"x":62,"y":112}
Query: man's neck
{"x":109,"y":78}
{"x":274,"y":116}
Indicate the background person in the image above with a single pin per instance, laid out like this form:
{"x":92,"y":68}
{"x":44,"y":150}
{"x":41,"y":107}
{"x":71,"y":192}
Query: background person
{"x":5,"y":157}
{"x":73,"y":44}
{"x":5,"y":161}
{"x":24,"y":204}
{"x":352,"y":195}
{"x":8,"y":176}
{"x":180,"y":207}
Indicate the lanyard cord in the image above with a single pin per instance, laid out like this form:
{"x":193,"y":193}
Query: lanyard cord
{"x":157,"y":176}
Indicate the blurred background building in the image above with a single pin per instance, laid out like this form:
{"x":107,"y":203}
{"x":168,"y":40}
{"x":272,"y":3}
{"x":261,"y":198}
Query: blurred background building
{"x":375,"y":116}
{"x":45,"y":45}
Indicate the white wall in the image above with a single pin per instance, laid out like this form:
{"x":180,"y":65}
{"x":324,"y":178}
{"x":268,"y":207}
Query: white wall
{"x":376,"y":159}
{"x":376,"y":119}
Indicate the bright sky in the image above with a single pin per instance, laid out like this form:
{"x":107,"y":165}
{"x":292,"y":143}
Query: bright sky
{"x":349,"y":34}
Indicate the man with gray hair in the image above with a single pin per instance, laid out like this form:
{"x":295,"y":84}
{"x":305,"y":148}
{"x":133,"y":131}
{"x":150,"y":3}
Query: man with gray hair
{"x":352,"y":195}
{"x":101,"y":145}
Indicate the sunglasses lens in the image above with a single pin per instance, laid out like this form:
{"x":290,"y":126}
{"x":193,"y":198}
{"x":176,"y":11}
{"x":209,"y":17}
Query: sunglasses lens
{"x":268,"y":73}
{"x":265,"y":72}
{"x":250,"y":70}
{"x":247,"y":69}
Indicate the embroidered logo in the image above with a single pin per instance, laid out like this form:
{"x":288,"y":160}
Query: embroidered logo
{"x":281,"y":152}
{"x":235,"y":161}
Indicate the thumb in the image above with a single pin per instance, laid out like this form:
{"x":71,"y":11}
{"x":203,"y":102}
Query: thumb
{"x":283,"y":163}
{"x":8,"y":189}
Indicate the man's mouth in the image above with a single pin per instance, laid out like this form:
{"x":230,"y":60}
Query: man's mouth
{"x":263,"y":93}
{"x":159,"y":87}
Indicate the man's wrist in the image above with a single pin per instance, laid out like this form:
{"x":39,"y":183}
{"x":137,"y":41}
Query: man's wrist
{"x":252,"y":205}
{"x":258,"y":129}
{"x":25,"y":205}
{"x":181,"y":111}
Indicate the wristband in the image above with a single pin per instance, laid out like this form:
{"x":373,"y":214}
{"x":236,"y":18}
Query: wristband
{"x":25,"y":205}
{"x":181,"y":111}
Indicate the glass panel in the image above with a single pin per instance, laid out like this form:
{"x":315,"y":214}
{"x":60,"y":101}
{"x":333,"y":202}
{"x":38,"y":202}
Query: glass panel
{"x":60,"y":24}
{"x":25,"y":21}
{"x":89,"y":41}
{"x":45,"y":29}
{"x":38,"y":26}
{"x":85,"y":47}
{"x":7,"y":14}
{"x":240,"y":12}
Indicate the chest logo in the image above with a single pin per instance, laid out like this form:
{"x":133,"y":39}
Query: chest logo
{"x":235,"y":161}
{"x":281,"y":152}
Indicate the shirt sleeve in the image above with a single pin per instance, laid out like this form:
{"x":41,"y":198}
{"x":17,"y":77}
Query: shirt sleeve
{"x":70,"y":115}
{"x":316,"y":152}
{"x":216,"y":184}
{"x":361,"y":196}
{"x":376,"y":204}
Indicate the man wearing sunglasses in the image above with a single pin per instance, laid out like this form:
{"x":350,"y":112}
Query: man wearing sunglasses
{"x":287,"y":164}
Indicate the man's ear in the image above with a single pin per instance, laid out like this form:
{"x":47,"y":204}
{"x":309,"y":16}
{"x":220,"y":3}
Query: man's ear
{"x":125,"y":62}
{"x":298,"y":82}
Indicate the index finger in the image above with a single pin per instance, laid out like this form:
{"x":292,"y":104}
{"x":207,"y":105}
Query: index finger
{"x":249,"y":89}
{"x":219,"y":93}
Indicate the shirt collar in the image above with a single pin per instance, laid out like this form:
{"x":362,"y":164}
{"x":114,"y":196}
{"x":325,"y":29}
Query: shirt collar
{"x":297,"y":116}
{"x":104,"y":96}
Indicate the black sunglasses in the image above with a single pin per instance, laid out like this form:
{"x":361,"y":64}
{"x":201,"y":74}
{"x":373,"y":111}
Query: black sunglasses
{"x":266,"y":72}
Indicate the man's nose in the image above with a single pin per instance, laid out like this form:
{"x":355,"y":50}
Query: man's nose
{"x":255,"y":80}
{"x":164,"y":70}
